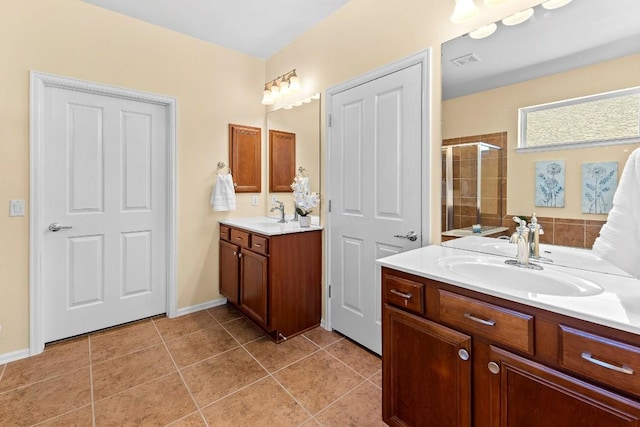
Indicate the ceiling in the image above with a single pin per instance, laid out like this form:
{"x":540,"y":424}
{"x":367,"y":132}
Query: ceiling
{"x":581,"y":33}
{"x":258,"y":28}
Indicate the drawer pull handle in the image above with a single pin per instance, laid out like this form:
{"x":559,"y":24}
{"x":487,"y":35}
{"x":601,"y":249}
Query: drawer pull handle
{"x":401,"y":294}
{"x":589,"y":358}
{"x":257,"y":245}
{"x":479,"y":320}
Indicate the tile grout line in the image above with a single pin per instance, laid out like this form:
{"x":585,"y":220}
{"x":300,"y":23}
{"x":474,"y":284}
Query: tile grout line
{"x":195,"y":402}
{"x":93,"y":402}
{"x":270,"y":375}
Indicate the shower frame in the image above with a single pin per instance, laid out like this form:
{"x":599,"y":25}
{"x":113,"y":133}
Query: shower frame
{"x":448,"y":150}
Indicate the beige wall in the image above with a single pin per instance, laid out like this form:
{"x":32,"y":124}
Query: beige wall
{"x":367,"y":34}
{"x":72,"y":38}
{"x":213,"y":87}
{"x":497,"y":110}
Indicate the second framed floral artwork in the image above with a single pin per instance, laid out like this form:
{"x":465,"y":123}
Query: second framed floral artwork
{"x":599,"y":183}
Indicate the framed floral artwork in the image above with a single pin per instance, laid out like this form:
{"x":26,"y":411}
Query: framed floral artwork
{"x":599,"y":183}
{"x":550,"y":183}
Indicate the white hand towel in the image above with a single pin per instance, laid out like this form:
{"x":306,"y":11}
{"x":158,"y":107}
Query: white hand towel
{"x":619,"y":240}
{"x":223,"y":196}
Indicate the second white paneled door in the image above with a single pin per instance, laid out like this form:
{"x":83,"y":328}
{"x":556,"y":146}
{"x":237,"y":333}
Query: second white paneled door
{"x":375,"y":160}
{"x":104,"y":218}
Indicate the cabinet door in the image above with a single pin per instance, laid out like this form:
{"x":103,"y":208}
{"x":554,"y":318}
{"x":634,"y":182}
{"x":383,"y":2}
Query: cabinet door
{"x":253,"y":286}
{"x":425,"y":380}
{"x":245,"y":158}
{"x":282,"y":160}
{"x":528,"y":394}
{"x":229,"y":271}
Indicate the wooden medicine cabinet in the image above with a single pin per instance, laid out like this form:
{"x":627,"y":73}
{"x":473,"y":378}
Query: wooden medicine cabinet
{"x":245,"y":158}
{"x":282,"y":158}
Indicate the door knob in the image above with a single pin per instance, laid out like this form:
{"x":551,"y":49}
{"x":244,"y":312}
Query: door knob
{"x":54,"y":226}
{"x":410,"y":235}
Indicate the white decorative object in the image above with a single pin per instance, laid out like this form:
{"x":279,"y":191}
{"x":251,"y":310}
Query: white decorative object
{"x":304,"y":221}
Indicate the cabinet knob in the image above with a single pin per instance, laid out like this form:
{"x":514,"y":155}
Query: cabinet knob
{"x":463,"y":354}
{"x":494,"y":368}
{"x":239,"y":255}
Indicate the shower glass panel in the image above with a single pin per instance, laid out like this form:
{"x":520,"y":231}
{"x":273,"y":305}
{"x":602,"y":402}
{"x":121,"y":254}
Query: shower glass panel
{"x":471,"y":186}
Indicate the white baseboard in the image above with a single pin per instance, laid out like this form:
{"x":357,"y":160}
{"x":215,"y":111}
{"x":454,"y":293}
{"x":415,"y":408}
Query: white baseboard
{"x":14,"y":355}
{"x":199,"y":307}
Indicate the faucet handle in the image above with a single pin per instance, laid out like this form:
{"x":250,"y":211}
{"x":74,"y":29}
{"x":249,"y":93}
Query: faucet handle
{"x":521,"y":222}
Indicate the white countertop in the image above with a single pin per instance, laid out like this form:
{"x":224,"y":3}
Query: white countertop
{"x":583,"y":259}
{"x":461,"y":232}
{"x":269,"y":226}
{"x":616,"y":306}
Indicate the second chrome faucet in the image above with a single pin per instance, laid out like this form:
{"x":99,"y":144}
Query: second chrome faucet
{"x":279,"y":207}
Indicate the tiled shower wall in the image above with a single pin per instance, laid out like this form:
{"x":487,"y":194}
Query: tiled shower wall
{"x":494,"y":190}
{"x":558,"y":231}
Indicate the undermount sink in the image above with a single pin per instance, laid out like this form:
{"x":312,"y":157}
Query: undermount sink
{"x":494,"y":273}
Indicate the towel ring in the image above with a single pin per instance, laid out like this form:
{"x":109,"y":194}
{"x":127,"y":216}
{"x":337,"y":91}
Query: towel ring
{"x":222,"y":165}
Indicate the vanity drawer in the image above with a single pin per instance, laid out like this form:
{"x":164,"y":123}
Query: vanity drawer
{"x":403,"y":293}
{"x":607,"y":361}
{"x":259,"y":244}
{"x":241,"y":238}
{"x":495,"y":323}
{"x":225,"y":233}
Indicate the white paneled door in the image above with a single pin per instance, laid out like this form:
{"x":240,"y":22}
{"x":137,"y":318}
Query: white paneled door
{"x":375,"y":159}
{"x":104,"y":218}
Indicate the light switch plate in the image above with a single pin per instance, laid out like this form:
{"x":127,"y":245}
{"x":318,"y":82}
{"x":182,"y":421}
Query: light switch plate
{"x":16,"y":208}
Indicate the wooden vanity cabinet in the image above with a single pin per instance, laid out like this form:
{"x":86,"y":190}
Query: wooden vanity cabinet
{"x":526,"y":367}
{"x":426,"y":381}
{"x":274,"y":280}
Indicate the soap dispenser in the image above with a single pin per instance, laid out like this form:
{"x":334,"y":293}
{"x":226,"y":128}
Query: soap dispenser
{"x":535,"y":230}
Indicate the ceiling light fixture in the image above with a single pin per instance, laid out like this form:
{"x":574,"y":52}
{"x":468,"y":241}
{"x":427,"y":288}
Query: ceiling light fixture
{"x":555,"y":4}
{"x":281,"y":86}
{"x":483,"y":32}
{"x":464,"y":11}
{"x":518,"y":18}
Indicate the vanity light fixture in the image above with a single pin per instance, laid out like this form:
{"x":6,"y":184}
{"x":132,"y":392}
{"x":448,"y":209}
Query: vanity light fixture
{"x":484,"y":31}
{"x":518,"y":18}
{"x":267,"y":99}
{"x":464,"y":11}
{"x":281,"y":86}
{"x":555,"y":4}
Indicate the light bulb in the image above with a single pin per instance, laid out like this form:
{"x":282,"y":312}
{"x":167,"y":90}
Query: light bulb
{"x":464,"y":11}
{"x":284,"y":87}
{"x":482,"y":32}
{"x":492,"y":3}
{"x":518,"y":18}
{"x":294,"y":82}
{"x":267,"y":99}
{"x":555,"y":4}
{"x":275,"y":91}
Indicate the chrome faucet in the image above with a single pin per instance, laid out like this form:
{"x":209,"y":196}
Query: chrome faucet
{"x":535,"y":230}
{"x":281,"y":208}
{"x":521,"y":239}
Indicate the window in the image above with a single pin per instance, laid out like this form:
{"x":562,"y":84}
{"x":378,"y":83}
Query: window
{"x":603,"y":119}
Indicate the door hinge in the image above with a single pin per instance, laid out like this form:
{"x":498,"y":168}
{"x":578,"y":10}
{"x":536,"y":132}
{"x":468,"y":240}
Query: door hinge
{"x":329,"y":291}
{"x":329,"y":205}
{"x":330,"y":120}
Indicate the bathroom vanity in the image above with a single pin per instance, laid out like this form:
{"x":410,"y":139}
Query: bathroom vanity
{"x":272,"y":273}
{"x":468,"y":340}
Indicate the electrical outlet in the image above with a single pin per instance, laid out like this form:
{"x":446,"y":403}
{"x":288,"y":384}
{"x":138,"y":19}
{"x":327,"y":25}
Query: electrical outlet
{"x":274,"y":199}
{"x":254,"y":200}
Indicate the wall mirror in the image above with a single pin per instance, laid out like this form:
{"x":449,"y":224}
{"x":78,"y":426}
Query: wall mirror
{"x":303,"y":121}
{"x":584,"y":48}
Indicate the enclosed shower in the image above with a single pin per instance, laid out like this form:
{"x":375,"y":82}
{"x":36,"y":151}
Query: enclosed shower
{"x":472,"y":187}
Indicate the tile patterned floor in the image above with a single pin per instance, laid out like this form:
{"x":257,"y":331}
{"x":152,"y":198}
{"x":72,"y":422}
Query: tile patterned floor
{"x":210,"y":368}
